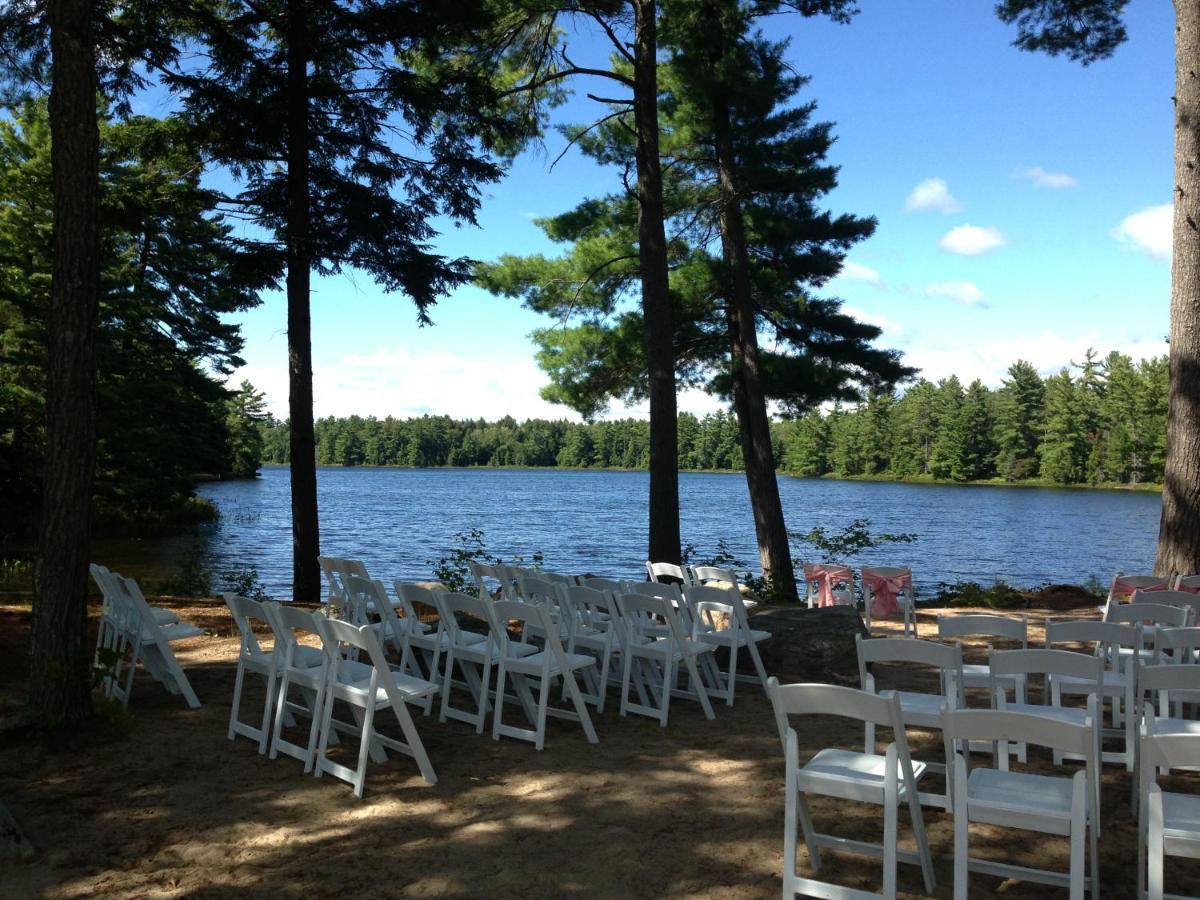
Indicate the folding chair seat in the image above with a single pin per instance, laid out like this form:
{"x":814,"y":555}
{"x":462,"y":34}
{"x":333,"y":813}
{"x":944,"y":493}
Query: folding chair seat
{"x":714,"y":576}
{"x":475,"y":658}
{"x":997,"y":796}
{"x":1108,"y":639}
{"x":1169,"y":822}
{"x":368,"y":688}
{"x":888,"y":592}
{"x":655,"y":660}
{"x":888,"y":780}
{"x":546,"y":666}
{"x":829,"y":584}
{"x":735,"y":634}
{"x":918,"y":710}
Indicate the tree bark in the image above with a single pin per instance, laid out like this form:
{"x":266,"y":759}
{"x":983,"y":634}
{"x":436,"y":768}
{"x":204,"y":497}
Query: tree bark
{"x":306,"y":575}
{"x":60,"y":677}
{"x":656,"y":299}
{"x":1179,"y":528}
{"x":749,"y":397}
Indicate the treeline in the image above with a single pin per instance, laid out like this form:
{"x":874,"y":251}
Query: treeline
{"x":710,"y":442}
{"x":1102,"y":421}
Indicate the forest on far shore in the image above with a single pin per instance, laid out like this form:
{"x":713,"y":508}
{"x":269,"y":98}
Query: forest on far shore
{"x":1101,"y":421}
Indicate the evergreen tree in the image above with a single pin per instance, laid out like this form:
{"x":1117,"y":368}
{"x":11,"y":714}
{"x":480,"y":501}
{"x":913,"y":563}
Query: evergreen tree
{"x":1064,"y":448}
{"x":1019,"y":413}
{"x":977,"y":450}
{"x":948,"y":450}
{"x":807,"y":453}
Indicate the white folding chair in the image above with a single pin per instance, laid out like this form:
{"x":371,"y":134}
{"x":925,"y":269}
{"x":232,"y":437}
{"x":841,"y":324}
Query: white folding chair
{"x":887,"y":585}
{"x":303,"y":668}
{"x":1163,"y":689}
{"x":253,"y":658}
{"x":1123,"y":587}
{"x":888,"y":780}
{"x":706,"y":602}
{"x":1148,"y":616}
{"x":1169,"y":821}
{"x":148,"y":637}
{"x":475,"y":658}
{"x":1189,"y":583}
{"x":1032,"y":802}
{"x":918,"y":710}
{"x":599,"y":633}
{"x":828,"y":584}
{"x":714,"y":576}
{"x":1177,"y":645}
{"x":547,"y":665}
{"x":424,"y":643}
{"x":657,"y":658}
{"x":336,"y":570}
{"x":367,"y":687}
{"x":487,"y":573}
{"x":1106,"y":640}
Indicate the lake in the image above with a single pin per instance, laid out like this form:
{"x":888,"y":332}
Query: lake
{"x":398,"y":520}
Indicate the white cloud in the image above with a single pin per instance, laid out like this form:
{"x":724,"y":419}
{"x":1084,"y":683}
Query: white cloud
{"x":852,"y":271}
{"x":1147,"y":230}
{"x":1055,"y":181}
{"x":932,"y":193}
{"x":964,"y":292}
{"x":971,"y":240}
{"x":1047,"y":350}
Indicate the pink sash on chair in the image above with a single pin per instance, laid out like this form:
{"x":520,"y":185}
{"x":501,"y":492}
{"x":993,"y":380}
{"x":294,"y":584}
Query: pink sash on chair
{"x":1125,"y":588}
{"x":828,"y":576}
{"x":1189,"y":584}
{"x":886,"y":589}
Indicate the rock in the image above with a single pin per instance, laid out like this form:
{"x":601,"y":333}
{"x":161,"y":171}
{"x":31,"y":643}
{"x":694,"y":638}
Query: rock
{"x":811,"y":644}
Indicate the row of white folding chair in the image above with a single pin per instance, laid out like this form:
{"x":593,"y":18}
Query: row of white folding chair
{"x":993,"y":795}
{"x":337,"y":571}
{"x":133,"y":631}
{"x":710,"y":614}
{"x":323,"y":676}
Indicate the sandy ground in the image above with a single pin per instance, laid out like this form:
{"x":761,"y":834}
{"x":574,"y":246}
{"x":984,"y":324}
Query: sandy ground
{"x":161,"y":804}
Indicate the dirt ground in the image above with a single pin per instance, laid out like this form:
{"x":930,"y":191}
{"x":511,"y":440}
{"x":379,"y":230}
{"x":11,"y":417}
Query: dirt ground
{"x":161,"y":804}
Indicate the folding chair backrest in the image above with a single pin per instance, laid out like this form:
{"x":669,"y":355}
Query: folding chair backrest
{"x":713,"y":597}
{"x":1147,"y":614}
{"x":644,"y":616}
{"x":1186,"y":599}
{"x":1179,"y":645}
{"x":451,"y":605}
{"x":139,"y":605}
{"x":703,"y":574}
{"x":984,"y":625}
{"x":598,"y":583}
{"x":995,"y":726}
{"x":1169,"y":681}
{"x":1189,"y":583}
{"x":597,"y":609}
{"x":1047,"y":662}
{"x":556,"y":577}
{"x":336,"y":632}
{"x":361,"y":594}
{"x":411,"y":596}
{"x":1107,"y":636}
{"x":660,"y":570}
{"x":1171,"y":751}
{"x":483,"y":572}
{"x":832,"y":700}
{"x":661,"y":589}
{"x":505,"y":611}
{"x":538,"y":590}
{"x":245,"y":613}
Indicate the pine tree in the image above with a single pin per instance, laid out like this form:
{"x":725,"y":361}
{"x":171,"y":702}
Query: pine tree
{"x":977,"y":451}
{"x":1019,"y":414}
{"x":1064,"y":448}
{"x":946,"y":454}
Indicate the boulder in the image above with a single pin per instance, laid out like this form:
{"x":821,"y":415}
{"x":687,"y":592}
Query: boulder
{"x":811,"y":644}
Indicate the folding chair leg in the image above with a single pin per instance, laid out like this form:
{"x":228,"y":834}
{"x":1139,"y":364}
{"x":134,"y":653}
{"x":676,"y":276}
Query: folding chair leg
{"x":1078,"y":843}
{"x":580,"y":707}
{"x":237,"y":699}
{"x":367,"y":723}
{"x":543,"y":703}
{"x":1154,"y":849}
{"x":413,"y":739}
{"x":690,"y":662}
{"x":758,"y":663}
{"x":668,"y":684}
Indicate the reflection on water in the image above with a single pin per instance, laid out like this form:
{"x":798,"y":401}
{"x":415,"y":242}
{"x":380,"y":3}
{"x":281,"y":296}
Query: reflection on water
{"x":397,"y":520}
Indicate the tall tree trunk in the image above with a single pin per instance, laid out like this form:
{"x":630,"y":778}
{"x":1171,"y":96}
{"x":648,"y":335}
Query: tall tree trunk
{"x":60,"y":682}
{"x":656,"y":298}
{"x":749,"y":397}
{"x":1179,"y":529}
{"x":306,"y":575}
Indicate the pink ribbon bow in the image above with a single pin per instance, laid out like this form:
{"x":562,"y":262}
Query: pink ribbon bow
{"x":886,"y":588}
{"x":828,"y":576}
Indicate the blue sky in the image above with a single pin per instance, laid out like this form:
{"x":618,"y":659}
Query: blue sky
{"x":1023,"y":207}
